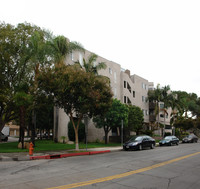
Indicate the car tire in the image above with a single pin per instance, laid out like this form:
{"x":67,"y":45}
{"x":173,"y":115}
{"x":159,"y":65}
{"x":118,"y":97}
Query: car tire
{"x":140,"y":147}
{"x":152,"y":146}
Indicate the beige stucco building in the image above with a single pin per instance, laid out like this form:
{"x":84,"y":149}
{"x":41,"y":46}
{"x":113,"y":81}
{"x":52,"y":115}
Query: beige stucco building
{"x":129,"y":89}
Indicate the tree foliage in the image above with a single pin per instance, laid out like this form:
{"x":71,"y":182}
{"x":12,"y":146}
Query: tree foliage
{"x":112,"y":117}
{"x":135,"y":119}
{"x":77,"y":92}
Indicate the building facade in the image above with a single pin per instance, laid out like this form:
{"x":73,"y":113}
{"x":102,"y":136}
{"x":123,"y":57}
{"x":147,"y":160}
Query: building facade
{"x":129,"y":89}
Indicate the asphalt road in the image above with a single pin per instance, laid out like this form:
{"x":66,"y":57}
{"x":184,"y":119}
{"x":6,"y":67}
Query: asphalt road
{"x":161,"y":168}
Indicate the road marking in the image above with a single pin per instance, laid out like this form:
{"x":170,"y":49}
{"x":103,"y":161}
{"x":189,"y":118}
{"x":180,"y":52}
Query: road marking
{"x":85,"y":183}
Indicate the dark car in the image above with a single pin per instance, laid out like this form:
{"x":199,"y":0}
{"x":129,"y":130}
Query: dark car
{"x":139,"y":142}
{"x":169,"y":140}
{"x":190,"y":139}
{"x":3,"y":137}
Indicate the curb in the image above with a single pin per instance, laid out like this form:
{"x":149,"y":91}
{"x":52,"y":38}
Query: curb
{"x":56,"y":156}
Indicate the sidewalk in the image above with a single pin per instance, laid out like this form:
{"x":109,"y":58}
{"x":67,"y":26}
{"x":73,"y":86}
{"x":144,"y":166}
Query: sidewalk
{"x":24,"y":156}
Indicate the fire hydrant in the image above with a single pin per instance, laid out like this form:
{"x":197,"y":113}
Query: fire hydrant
{"x":31,"y":149}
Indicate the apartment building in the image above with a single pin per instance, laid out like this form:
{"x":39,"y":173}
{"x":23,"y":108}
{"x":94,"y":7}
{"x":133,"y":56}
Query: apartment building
{"x":129,"y":89}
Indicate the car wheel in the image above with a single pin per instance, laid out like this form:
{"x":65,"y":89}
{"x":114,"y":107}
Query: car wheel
{"x":140,"y":147}
{"x":152,"y":146}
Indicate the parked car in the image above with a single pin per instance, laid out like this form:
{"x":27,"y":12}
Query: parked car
{"x":139,"y":142}
{"x":3,"y":137}
{"x":190,"y":139}
{"x":169,"y":140}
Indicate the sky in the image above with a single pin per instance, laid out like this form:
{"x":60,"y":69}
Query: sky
{"x":158,"y":40}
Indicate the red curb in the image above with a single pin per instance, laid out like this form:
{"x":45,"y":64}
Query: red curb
{"x":40,"y":157}
{"x":55,"y":156}
{"x":99,"y":152}
{"x":74,"y":154}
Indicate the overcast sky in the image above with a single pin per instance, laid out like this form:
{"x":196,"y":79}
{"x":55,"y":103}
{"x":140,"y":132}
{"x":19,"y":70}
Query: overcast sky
{"x":158,"y":40}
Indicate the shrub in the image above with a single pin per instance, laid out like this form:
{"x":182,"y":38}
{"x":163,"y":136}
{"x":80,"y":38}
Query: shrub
{"x":147,"y":132}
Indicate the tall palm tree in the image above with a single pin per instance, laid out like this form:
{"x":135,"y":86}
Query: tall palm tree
{"x":91,"y":66}
{"x":61,"y":47}
{"x":167,"y":99}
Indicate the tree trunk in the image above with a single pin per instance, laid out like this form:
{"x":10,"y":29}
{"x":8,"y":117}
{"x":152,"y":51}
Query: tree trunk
{"x":22,"y":124}
{"x":106,"y":134}
{"x":76,"y":140}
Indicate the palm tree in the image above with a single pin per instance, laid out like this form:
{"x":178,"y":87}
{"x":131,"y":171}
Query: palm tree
{"x":155,"y":96}
{"x":61,"y":47}
{"x":167,"y":99}
{"x":91,"y":66}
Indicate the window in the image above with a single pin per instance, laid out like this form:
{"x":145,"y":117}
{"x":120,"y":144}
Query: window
{"x":115,"y":92}
{"x":115,"y":77}
{"x":133,"y":94}
{"x":146,"y":112}
{"x":143,"y":85}
{"x":128,"y":87}
{"x":81,"y":59}
{"x":128,"y":101}
{"x":161,"y":106}
{"x":124,"y":84}
{"x":72,"y":56}
{"x":143,"y":99}
{"x":125,"y":99}
{"x":110,"y":71}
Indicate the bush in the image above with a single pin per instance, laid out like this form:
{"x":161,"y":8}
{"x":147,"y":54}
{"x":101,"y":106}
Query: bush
{"x":147,"y":132}
{"x":167,"y":134}
{"x":81,"y":131}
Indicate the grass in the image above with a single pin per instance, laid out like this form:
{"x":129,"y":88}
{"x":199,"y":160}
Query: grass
{"x":49,"y":145}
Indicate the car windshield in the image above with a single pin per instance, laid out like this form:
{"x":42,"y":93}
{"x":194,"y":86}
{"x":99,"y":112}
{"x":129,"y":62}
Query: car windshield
{"x":135,"y":139}
{"x":189,"y":136}
{"x":167,"y":137}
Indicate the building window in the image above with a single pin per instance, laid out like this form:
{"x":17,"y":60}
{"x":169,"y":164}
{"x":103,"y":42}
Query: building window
{"x":81,"y":59}
{"x":128,"y":87}
{"x":128,"y":101}
{"x":146,"y":112}
{"x":110,"y":71}
{"x":143,"y":112}
{"x":115,"y":92}
{"x":72,"y":56}
{"x":124,"y":84}
{"x":133,"y":94}
{"x":124,"y":99}
{"x":143,"y":99}
{"x":143,"y":85}
{"x":115,"y":77}
{"x":161,"y":106}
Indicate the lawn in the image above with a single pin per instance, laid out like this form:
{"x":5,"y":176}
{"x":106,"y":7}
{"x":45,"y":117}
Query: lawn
{"x":49,"y":145}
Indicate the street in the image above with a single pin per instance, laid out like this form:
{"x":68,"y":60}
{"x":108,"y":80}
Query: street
{"x":171,"y":167}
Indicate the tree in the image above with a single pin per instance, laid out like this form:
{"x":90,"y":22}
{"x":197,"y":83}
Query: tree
{"x":15,"y":64}
{"x":135,"y":119}
{"x":112,"y":117}
{"x":61,"y":47}
{"x":77,"y":92}
{"x":91,"y":65}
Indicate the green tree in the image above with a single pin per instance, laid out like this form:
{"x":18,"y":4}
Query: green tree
{"x":91,"y":65}
{"x":112,"y":117}
{"x":135,"y":119}
{"x":77,"y":92}
{"x":15,"y":65}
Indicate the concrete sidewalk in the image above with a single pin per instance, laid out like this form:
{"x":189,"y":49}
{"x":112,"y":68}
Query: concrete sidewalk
{"x":24,"y":156}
